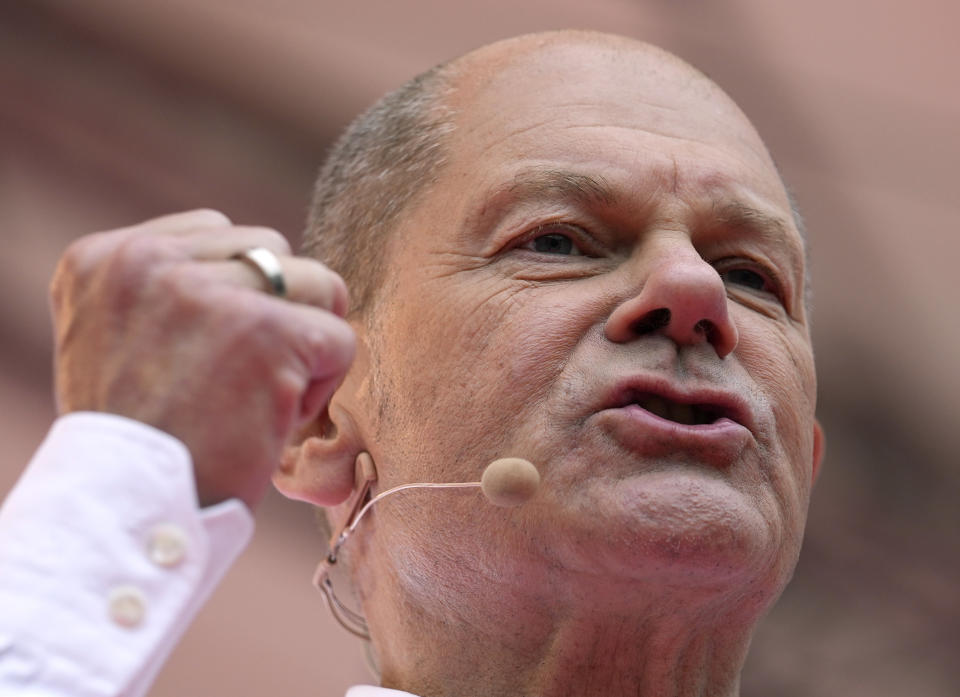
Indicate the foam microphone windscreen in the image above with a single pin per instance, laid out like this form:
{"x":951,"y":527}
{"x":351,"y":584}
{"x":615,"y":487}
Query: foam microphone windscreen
{"x":509,"y":481}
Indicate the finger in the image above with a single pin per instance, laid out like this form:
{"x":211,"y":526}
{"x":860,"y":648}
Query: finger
{"x":324,"y":343}
{"x":180,"y":223}
{"x":325,"y":346}
{"x":224,"y":243}
{"x":307,"y":281}
{"x":89,"y":250}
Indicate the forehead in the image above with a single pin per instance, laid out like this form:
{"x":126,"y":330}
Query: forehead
{"x":638,"y":117}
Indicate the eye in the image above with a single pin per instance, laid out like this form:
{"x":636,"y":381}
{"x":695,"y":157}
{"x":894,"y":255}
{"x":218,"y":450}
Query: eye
{"x":746,"y":275}
{"x":554,"y":239}
{"x":747,"y":278}
{"x":554,"y":243}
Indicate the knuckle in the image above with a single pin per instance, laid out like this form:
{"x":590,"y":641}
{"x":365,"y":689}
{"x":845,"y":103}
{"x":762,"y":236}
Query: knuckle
{"x":137,"y":250}
{"x":274,"y":240}
{"x":205,"y":217}
{"x":180,"y":283}
{"x":331,"y":347}
{"x":81,"y":255}
{"x":79,"y":262}
{"x":133,"y":261}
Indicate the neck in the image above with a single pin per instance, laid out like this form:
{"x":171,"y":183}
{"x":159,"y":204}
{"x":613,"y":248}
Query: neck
{"x":561,"y":637}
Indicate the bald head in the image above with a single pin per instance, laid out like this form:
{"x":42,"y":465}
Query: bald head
{"x":648,"y":61}
{"x":396,"y":151}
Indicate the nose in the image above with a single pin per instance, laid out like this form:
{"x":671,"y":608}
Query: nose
{"x":683,"y":298}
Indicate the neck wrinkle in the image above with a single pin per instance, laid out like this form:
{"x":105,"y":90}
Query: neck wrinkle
{"x":669,"y":646}
{"x":455,"y":617}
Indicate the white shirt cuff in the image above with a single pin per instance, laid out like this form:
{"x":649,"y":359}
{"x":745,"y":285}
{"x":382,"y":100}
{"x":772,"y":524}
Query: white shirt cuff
{"x":105,"y":558}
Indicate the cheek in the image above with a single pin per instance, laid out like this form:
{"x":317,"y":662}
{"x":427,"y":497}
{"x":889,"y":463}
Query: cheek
{"x":780,"y":363}
{"x":477,"y":366}
{"x":545,"y":333}
{"x":454,"y":371}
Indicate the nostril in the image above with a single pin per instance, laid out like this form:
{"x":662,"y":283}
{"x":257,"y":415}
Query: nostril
{"x":705,"y":327}
{"x":651,"y":322}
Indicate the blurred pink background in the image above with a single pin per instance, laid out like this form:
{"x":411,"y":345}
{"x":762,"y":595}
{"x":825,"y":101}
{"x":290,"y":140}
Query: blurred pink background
{"x":113,"y":111}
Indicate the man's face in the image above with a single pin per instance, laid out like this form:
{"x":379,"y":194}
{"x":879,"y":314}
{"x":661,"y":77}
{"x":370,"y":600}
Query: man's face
{"x":606,"y":280}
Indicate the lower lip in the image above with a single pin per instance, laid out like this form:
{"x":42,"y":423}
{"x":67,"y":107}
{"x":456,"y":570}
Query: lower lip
{"x":645,"y":432}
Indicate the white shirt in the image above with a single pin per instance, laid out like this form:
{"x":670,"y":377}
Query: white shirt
{"x":105,"y":559}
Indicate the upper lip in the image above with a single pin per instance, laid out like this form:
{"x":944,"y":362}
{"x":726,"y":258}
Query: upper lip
{"x":705,"y":401}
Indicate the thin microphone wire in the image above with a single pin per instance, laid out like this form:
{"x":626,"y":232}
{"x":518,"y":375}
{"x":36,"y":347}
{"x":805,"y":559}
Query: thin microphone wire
{"x":384,"y":494}
{"x":350,"y":620}
{"x":510,"y":487}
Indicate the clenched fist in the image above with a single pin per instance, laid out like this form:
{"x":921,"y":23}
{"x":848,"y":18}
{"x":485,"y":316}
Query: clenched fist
{"x":159,"y":323}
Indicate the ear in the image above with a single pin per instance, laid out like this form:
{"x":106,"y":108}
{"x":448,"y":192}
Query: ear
{"x":318,"y":466}
{"x":819,"y":446}
{"x":320,"y":469}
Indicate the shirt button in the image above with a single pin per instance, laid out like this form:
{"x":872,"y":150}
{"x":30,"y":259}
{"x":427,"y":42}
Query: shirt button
{"x":127,"y":606}
{"x":167,"y":545}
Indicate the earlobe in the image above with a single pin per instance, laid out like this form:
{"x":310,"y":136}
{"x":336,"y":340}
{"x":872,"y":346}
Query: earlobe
{"x":320,"y":470}
{"x":819,"y":446}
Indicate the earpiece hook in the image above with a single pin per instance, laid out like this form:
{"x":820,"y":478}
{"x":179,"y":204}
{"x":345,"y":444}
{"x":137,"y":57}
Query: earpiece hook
{"x":505,"y":482}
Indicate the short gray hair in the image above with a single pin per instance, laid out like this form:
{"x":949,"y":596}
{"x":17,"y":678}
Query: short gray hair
{"x":386,"y":157}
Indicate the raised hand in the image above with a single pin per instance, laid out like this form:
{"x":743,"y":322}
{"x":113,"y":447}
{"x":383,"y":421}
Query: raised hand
{"x":161,"y":323}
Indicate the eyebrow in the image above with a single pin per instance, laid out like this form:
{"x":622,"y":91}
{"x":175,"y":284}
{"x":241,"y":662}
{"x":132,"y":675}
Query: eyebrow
{"x":737,"y":215}
{"x":545,"y":183}
{"x":560,"y":183}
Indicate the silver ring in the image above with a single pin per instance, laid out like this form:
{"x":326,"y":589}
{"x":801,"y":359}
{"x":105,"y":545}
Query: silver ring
{"x":267,"y":263}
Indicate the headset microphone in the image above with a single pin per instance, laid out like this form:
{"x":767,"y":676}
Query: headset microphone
{"x":507,"y":482}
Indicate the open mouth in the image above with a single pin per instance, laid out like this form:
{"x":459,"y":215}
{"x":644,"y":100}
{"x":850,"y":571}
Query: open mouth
{"x":686,"y":414}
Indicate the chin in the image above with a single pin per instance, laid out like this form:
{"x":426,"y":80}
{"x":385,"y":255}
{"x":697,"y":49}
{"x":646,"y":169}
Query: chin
{"x":678,"y":527}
